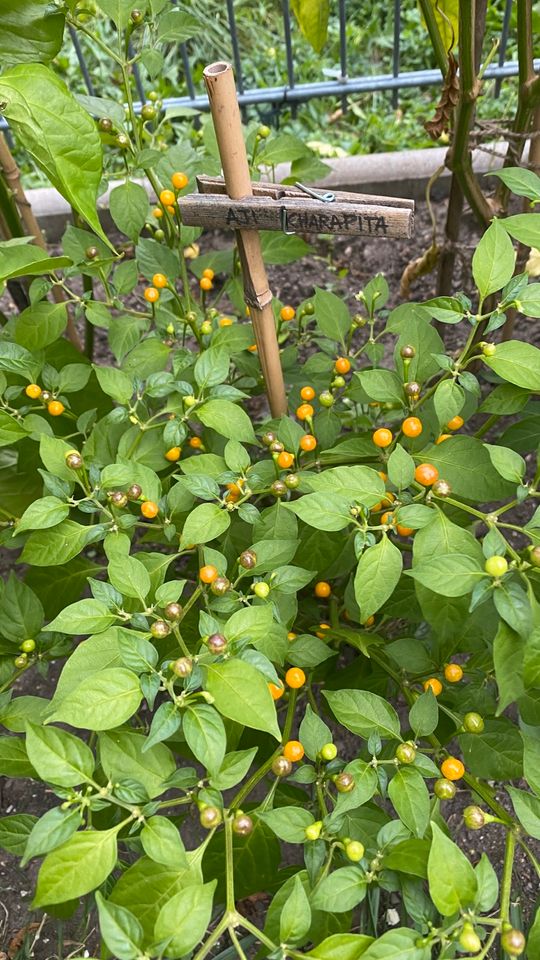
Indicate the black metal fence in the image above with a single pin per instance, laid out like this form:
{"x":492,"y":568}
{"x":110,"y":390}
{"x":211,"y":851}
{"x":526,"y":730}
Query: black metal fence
{"x":293,"y":93}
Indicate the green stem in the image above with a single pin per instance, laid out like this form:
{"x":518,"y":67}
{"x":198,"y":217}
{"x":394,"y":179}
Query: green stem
{"x":229,"y":864}
{"x":508,"y":867}
{"x":435,"y":35}
{"x":213,"y":938}
{"x":261,"y":937}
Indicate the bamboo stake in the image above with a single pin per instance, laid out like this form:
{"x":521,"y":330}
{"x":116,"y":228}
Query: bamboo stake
{"x":13,"y":180}
{"x":221,"y":89}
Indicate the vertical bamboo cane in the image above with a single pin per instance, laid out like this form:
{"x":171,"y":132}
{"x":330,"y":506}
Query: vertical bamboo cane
{"x":219,"y":80}
{"x":13,"y":181}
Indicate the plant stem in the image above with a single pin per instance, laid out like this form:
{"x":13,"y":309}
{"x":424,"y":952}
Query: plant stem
{"x":212,"y":939}
{"x":508,"y":866}
{"x":435,"y":35}
{"x":229,"y":864}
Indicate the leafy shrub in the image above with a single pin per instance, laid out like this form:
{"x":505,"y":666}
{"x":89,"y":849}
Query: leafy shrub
{"x":302,"y":632}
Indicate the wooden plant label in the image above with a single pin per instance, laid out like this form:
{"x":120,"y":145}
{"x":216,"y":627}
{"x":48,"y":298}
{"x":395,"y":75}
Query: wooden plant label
{"x":297,"y":216}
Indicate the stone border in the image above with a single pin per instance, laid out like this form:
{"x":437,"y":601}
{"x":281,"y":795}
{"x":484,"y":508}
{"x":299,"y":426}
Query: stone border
{"x":400,"y":174}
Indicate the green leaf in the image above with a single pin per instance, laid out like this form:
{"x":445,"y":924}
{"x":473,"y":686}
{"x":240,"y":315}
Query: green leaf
{"x":377,"y":576}
{"x":120,"y":930}
{"x":522,"y":182}
{"x":517,"y":362}
{"x":182,"y":922}
{"x":424,"y":714}
{"x":312,"y":16}
{"x":50,"y":831}
{"x":507,"y":462}
{"x":381,"y":385}
{"x":465,"y":463}
{"x":57,"y":545}
{"x":234,"y":768}
{"x":410,"y":798}
{"x":241,"y":693}
{"x":495,"y":755}
{"x":205,"y":523}
{"x":531,"y":762}
{"x":362,"y":484}
{"x":280,"y":249}
{"x":400,"y":944}
{"x":146,"y":886}
{"x":227,"y":419}
{"x":341,"y":946}
{"x":451,"y":575}
{"x":324,"y":511}
{"x":409,"y":856}
{"x":77,"y":867}
{"x":341,"y":890}
{"x":527,"y":810}
{"x":448,"y":400}
{"x":115,"y":383}
{"x":14,"y":760}
{"x":313,"y":733}
{"x":451,"y":878}
{"x":129,"y":207}
{"x":58,"y":757}
{"x":10,"y":430}
{"x":121,"y":754}
{"x":494,"y":260}
{"x":42,"y":514}
{"x":162,"y":842}
{"x":523,"y":227}
{"x":205,"y":736}
{"x":60,"y":136}
{"x":288,"y":823}
{"x":22,"y":260}
{"x":295,"y":919}
{"x":14,"y":832}
{"x":84,"y":617}
{"x":21,"y":612}
{"x":400,"y":467}
{"x":30,"y":32}
{"x":101,"y":702}
{"x":16,"y":712}
{"x":331,"y":313}
{"x":41,"y":324}
{"x":211,"y":368}
{"x":364,"y":713}
{"x":118,"y":10}
{"x":177,"y":26}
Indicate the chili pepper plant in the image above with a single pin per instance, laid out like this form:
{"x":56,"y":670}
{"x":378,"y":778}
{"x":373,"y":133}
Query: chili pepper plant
{"x":281,"y":654}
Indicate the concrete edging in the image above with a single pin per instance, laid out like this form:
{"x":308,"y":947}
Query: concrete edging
{"x":400,"y":174}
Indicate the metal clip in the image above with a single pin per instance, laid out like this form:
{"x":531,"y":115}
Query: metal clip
{"x":284,"y":222}
{"x":325,"y":197}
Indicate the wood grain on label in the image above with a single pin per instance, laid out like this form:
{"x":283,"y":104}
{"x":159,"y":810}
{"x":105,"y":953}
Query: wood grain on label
{"x":302,"y":215}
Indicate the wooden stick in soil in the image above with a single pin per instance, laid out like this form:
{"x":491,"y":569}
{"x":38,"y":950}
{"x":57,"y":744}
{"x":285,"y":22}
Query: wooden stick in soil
{"x":220,"y":86}
{"x":13,"y":180}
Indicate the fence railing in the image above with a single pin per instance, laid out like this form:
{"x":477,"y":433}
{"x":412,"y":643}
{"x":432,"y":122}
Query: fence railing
{"x":292,"y":93}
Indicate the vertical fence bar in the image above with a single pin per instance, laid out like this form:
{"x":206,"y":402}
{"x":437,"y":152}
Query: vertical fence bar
{"x":189,"y":79}
{"x":343,"y":48}
{"x":396,"y":50}
{"x":503,"y":44}
{"x":82,"y":62}
{"x":235,"y":46}
{"x":288,"y":47}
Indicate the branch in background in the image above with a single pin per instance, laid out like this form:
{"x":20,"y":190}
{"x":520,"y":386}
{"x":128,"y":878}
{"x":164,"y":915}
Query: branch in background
{"x":435,"y":35}
{"x":12,"y":178}
{"x":528,"y":97}
{"x":459,"y":158}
